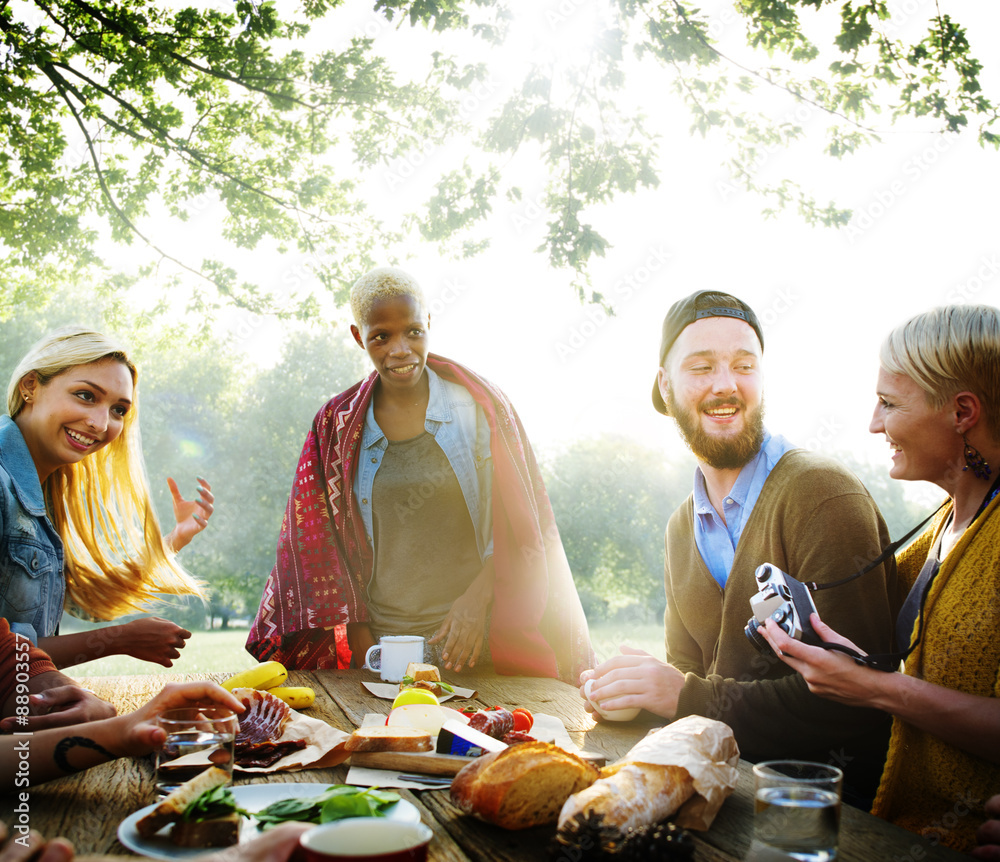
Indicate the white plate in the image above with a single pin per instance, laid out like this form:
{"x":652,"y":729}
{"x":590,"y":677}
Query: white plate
{"x":252,"y":797}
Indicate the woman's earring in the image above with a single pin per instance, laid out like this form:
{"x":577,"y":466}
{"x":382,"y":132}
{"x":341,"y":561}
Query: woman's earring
{"x":975,"y":462}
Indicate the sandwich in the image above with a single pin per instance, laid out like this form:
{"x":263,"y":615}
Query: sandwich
{"x":203,"y":812}
{"x":425,"y":676}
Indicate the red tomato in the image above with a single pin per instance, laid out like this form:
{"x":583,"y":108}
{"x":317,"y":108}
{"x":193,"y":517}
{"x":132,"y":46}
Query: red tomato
{"x":523,"y":719}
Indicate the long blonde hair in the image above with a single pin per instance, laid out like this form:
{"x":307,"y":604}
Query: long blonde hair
{"x":116,"y":560}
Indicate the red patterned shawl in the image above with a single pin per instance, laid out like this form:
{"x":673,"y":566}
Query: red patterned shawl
{"x":323,"y":560}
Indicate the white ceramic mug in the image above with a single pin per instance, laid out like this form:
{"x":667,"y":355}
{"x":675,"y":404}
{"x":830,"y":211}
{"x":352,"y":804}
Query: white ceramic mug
{"x":608,"y":714}
{"x":392,"y":654}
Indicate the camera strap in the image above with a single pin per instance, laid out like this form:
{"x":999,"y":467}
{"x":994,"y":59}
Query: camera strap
{"x":891,"y":548}
{"x":889,"y":662}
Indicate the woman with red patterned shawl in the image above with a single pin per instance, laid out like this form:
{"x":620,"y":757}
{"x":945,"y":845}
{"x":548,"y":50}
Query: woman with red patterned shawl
{"x":418,"y":508}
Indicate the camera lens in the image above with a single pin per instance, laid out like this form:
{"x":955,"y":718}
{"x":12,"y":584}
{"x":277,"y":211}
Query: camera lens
{"x":755,"y":637}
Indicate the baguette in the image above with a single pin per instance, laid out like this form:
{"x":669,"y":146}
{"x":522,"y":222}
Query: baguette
{"x":382,"y":738}
{"x":172,"y":806}
{"x":633,"y":795}
{"x":522,"y":786}
{"x":693,"y":758}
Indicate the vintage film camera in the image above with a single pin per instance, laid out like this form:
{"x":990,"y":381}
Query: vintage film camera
{"x":786,"y":601}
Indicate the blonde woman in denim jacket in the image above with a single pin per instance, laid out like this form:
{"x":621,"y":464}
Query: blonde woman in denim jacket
{"x":76,"y":522}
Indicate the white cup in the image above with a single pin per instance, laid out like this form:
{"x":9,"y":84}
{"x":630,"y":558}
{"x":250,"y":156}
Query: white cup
{"x":608,"y":714}
{"x":392,"y":654}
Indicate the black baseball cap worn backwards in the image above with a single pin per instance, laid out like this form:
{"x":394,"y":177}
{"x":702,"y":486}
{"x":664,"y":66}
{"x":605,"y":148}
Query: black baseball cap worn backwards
{"x":686,"y":311}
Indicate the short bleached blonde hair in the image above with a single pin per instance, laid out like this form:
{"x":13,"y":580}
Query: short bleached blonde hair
{"x":947,"y":350}
{"x":383,"y":282}
{"x":115,"y":558}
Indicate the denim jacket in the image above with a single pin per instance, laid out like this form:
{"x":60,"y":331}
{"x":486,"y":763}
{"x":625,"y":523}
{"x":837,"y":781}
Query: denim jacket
{"x":32,"y":584}
{"x":460,"y":428}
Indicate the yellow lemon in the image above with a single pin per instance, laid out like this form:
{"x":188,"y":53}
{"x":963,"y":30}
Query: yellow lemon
{"x":414,"y":695}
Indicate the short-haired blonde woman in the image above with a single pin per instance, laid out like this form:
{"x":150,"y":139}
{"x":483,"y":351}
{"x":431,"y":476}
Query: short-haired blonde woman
{"x":76,"y":520}
{"x":939,"y":409}
{"x":417,"y":508}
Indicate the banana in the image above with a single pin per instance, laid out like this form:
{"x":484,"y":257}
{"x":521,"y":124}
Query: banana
{"x":266,"y":675}
{"x":297,"y":697}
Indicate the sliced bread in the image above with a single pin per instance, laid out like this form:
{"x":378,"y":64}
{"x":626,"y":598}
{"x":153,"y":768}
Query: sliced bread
{"x":418,"y":670}
{"x":172,"y":806}
{"x":391,"y":738}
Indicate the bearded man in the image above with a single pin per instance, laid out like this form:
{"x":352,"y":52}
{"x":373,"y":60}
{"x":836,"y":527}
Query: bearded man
{"x":756,"y":499}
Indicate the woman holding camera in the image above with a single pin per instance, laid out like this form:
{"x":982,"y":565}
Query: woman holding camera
{"x":939,"y":408}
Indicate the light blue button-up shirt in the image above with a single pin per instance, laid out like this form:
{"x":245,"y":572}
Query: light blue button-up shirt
{"x":717,"y":539}
{"x":32,"y":584}
{"x":459,"y":426}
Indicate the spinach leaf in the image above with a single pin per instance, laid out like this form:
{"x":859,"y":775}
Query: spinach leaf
{"x":335,"y":803}
{"x":215,"y":802}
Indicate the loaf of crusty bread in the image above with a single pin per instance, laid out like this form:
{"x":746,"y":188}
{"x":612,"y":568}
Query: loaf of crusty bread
{"x":522,"y":786}
{"x":691,"y":757}
{"x":633,"y":795}
{"x":392,"y":738}
{"x":173,"y":805}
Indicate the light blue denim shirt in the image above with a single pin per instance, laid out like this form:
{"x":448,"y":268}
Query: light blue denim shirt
{"x":32,"y":585}
{"x":717,"y":539}
{"x":459,"y":426}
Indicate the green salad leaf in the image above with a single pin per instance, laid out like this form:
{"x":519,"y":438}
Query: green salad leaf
{"x":216,"y":802}
{"x":409,"y":680}
{"x":335,"y":803}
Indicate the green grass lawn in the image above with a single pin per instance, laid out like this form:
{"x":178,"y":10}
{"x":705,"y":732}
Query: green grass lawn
{"x":223,"y":651}
{"x":204,"y":652}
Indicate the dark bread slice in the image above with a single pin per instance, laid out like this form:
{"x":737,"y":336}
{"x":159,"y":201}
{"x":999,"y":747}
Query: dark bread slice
{"x":217,"y":832}
{"x":172,"y":806}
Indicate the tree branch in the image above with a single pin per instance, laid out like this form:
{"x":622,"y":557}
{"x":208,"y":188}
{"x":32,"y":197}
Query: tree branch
{"x":165,"y":136}
{"x":137,"y":39}
{"x":58,"y":82}
{"x":794,"y":93}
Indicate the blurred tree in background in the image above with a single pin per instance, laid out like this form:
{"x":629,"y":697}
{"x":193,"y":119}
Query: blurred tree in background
{"x":206,"y":414}
{"x":612,"y":498}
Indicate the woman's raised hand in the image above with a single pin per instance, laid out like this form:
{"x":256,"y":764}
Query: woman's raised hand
{"x":191,"y":515}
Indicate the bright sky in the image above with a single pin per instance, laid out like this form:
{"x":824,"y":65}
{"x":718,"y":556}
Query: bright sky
{"x":925,"y":233}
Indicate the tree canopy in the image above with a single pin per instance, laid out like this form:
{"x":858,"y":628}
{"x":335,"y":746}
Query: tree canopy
{"x":117,"y":114}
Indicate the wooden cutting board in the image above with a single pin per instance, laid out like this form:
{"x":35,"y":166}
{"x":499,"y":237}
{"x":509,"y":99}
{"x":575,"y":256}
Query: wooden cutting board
{"x":422,"y":762}
{"x":431,"y":763}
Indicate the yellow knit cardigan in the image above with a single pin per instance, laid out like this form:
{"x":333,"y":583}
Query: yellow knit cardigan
{"x":929,"y":786}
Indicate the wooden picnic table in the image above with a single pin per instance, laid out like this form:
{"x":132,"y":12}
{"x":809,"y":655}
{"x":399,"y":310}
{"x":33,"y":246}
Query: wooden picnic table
{"x":87,"y":808}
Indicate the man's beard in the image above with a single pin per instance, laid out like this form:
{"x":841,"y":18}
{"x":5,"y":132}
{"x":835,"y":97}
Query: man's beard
{"x":721,"y":453}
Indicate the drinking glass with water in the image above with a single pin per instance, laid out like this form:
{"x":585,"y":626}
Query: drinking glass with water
{"x":797,"y":809}
{"x":197,"y":738}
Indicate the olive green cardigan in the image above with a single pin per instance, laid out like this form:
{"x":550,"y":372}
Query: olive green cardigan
{"x":815,"y":521}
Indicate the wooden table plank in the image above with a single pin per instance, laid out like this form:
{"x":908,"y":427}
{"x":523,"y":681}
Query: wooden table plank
{"x":87,"y":808}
